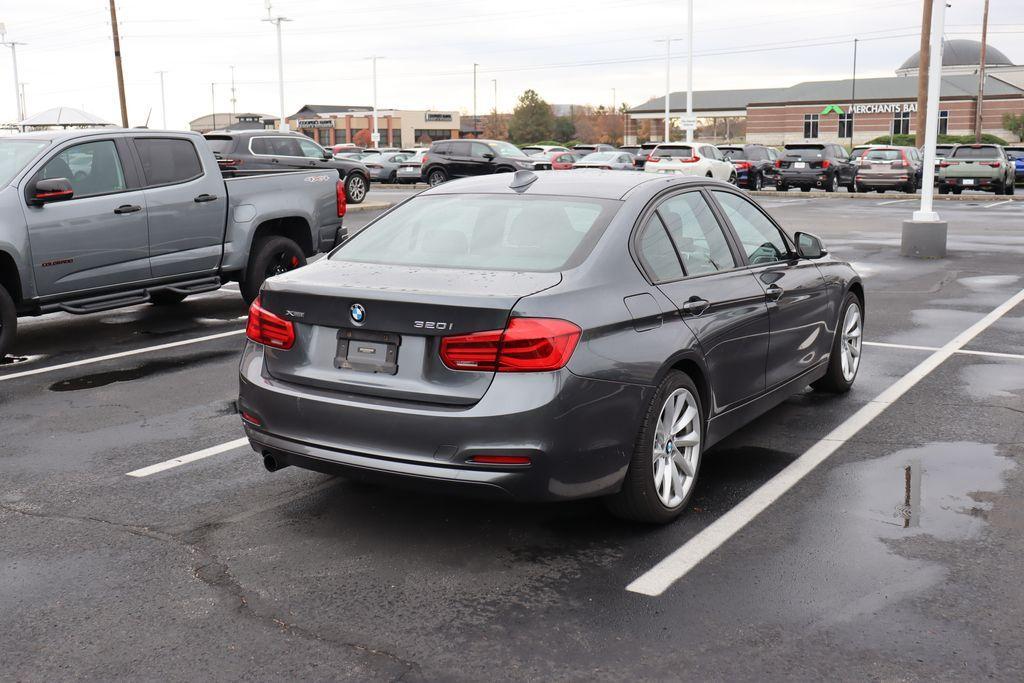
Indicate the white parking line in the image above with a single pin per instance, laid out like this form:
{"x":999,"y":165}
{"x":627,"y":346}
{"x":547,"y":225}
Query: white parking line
{"x":191,"y":457}
{"x":895,"y":201}
{"x":971,"y":352}
{"x":674,"y":567}
{"x":121,"y":354}
{"x":989,"y":206}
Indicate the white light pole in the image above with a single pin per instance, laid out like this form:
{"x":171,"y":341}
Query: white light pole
{"x":925,"y":235}
{"x":163,"y":102}
{"x":689,"y":71}
{"x":375,"y":134}
{"x":668,"y":83}
{"x":276,"y":21}
{"x":14,"y":59}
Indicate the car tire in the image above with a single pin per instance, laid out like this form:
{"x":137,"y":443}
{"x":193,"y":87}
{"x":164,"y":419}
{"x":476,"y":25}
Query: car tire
{"x":393,"y":178}
{"x":8,"y":321}
{"x":756,"y":182}
{"x":270,"y":256}
{"x":943,"y":189}
{"x":910,"y":188}
{"x":436,"y":176}
{"x":355,"y":189}
{"x":1009,"y":188}
{"x":641,"y":499}
{"x":166,"y":298}
{"x":852,"y":187}
{"x":781,"y":187}
{"x":862,"y":189}
{"x":956,"y":190}
{"x":844,"y":357}
{"x":833,"y":184}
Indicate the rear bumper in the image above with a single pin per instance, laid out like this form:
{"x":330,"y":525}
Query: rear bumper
{"x":807,"y":179}
{"x":868,"y":180}
{"x":975,"y":183}
{"x":578,"y":433}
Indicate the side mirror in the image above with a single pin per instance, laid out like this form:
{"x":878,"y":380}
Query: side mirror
{"x":488,"y":155}
{"x":51,"y":190}
{"x":328,"y":156}
{"x":809,"y":246}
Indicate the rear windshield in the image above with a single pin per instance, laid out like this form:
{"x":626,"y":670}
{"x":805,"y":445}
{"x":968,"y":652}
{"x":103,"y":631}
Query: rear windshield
{"x":668,"y":152}
{"x":532,"y":151}
{"x":983,"y":152}
{"x":884,"y":155}
{"x":490,"y":232}
{"x":732,"y":152}
{"x":942,"y":149}
{"x":805,"y":153}
{"x":219,"y":144}
{"x":15,"y":155}
{"x":858,"y":153}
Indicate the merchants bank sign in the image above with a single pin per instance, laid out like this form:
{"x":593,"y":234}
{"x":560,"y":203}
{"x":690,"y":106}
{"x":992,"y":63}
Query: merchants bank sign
{"x":873,"y":108}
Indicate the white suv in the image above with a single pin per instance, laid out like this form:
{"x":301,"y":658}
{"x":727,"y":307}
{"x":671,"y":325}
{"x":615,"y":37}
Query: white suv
{"x":690,"y":159}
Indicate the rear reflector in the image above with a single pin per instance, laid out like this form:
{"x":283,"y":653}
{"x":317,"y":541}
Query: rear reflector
{"x":251,"y":419}
{"x":526,"y":345}
{"x":339,"y":191}
{"x":266,"y":328}
{"x":500,"y":459}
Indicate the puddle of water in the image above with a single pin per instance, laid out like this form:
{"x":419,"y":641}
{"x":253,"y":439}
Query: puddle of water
{"x":149,"y":369}
{"x":984,"y":283}
{"x":993,"y":379}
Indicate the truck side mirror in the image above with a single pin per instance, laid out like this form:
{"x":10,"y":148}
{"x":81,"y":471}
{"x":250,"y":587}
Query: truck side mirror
{"x":51,"y":190}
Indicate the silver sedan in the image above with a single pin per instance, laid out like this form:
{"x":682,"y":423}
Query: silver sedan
{"x":609,"y":161}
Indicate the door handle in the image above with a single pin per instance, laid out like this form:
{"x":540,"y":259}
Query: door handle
{"x":274,"y":161}
{"x":127,"y":208}
{"x":774,"y":292}
{"x":205,"y":198}
{"x":695,"y":305}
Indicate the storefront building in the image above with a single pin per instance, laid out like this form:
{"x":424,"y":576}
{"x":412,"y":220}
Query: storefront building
{"x":339,"y":124}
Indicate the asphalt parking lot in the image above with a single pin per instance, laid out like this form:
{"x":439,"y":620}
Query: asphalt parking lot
{"x":875,"y":535}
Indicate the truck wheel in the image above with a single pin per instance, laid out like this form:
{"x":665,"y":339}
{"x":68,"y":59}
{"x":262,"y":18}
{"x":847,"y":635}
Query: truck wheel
{"x":166,"y":298}
{"x":270,"y":256}
{"x":8,"y":321}
{"x":355,"y":189}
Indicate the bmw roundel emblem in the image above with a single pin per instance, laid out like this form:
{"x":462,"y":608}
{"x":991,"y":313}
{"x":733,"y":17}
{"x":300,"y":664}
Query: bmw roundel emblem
{"x":358,"y":313}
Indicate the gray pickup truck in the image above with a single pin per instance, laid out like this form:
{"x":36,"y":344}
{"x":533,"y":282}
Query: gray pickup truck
{"x":99,"y":219}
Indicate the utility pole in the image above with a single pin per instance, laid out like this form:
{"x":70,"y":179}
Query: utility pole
{"x":853,"y":93}
{"x":23,"y":102}
{"x":925,"y":235}
{"x":375,"y":134}
{"x":923,"y":63}
{"x":981,"y":76}
{"x":233,"y":99}
{"x":14,"y":59}
{"x":475,"y":122}
{"x":689,"y":71}
{"x":668,"y":83}
{"x":276,"y":21}
{"x":495,"y":82}
{"x":213,"y":107}
{"x":163,"y":102}
{"x":117,"y":64}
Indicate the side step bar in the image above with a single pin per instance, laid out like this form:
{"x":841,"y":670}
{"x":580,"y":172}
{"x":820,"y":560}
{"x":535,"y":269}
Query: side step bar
{"x":206,"y":284}
{"x":106,"y":302}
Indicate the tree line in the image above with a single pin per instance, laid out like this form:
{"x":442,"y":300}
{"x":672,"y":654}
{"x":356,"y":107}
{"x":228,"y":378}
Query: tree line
{"x":532,"y":120}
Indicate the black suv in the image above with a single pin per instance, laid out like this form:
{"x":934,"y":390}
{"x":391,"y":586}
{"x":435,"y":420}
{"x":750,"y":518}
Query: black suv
{"x":447,"y":159}
{"x":753,"y":164}
{"x":239,"y":152}
{"x":815,"y":164}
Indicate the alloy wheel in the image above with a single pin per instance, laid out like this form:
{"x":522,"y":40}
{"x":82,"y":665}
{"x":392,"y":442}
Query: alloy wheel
{"x":356,"y":189}
{"x":676,"y":449}
{"x":282,"y":262}
{"x":436,"y":178}
{"x":849,"y":345}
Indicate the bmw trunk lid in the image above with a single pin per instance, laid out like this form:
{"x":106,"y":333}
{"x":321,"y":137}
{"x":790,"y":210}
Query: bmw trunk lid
{"x":375,"y":330}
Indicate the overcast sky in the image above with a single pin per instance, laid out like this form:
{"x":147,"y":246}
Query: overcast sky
{"x":569,"y":51}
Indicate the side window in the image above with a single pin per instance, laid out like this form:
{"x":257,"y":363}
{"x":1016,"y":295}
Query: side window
{"x":479,"y":149}
{"x":697,"y":235}
{"x":166,"y":161}
{"x":761,"y":240}
{"x":261,"y":146}
{"x":310,"y":149}
{"x":91,"y":168}
{"x":442,"y":148}
{"x":460,"y":149}
{"x":657,"y":252}
{"x":286,"y":147}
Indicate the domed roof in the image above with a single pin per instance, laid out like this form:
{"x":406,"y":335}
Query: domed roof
{"x":962,"y":53}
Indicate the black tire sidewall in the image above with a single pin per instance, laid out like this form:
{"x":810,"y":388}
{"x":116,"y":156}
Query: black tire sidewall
{"x":8,"y":321}
{"x":438,"y":173}
{"x":259,"y":261}
{"x":833,"y":381}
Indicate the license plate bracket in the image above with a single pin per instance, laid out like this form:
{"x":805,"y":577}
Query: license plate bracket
{"x":364,"y":351}
{"x":968,"y":181}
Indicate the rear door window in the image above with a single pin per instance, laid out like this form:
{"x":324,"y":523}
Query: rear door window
{"x":657,"y":252}
{"x":92,"y":168}
{"x":529,"y":233}
{"x":286,"y":146}
{"x":166,"y":161}
{"x":460,"y":149}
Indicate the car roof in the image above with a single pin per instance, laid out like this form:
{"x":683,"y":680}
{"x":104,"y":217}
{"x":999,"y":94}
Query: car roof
{"x":584,"y":183}
{"x":57,"y":136}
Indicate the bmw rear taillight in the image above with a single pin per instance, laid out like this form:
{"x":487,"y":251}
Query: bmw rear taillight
{"x":339,"y":193}
{"x":525,"y":345}
{"x":266,"y":328}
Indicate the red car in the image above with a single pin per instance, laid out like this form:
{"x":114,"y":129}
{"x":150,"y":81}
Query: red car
{"x":563,"y":161}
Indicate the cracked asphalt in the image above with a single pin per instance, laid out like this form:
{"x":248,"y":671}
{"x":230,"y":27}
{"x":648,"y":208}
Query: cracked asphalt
{"x":899,"y":558}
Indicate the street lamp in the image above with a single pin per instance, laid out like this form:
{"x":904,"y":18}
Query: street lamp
{"x":668,"y":81}
{"x":375,"y":135}
{"x":14,"y":58}
{"x":276,"y":21}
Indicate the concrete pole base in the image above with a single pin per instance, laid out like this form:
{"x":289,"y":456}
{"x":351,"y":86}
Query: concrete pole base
{"x":924,"y":239}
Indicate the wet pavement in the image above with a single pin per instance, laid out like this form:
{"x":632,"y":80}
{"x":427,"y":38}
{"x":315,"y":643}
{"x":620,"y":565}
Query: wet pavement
{"x":899,"y":558}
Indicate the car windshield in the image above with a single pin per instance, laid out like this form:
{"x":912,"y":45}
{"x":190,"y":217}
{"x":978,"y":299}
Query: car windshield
{"x":805,"y":153}
{"x":601,"y":156}
{"x":983,"y":152}
{"x":533,"y":151}
{"x":15,"y":154}
{"x":489,"y":232}
{"x":669,"y":152}
{"x":506,"y":149}
{"x":219,"y":144}
{"x":884,"y":155}
{"x":732,"y":152}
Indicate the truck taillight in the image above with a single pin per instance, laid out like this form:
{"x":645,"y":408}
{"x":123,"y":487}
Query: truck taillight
{"x":266,"y":328}
{"x":339,"y":191}
{"x":525,"y":345}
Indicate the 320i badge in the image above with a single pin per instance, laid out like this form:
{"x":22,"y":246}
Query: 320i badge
{"x":547,"y":336}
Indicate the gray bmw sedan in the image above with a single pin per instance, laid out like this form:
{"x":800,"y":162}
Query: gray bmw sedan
{"x":547,"y":336}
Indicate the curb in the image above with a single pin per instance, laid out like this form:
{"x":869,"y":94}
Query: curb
{"x":402,"y":186}
{"x":874,"y":196}
{"x":369,"y":206}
